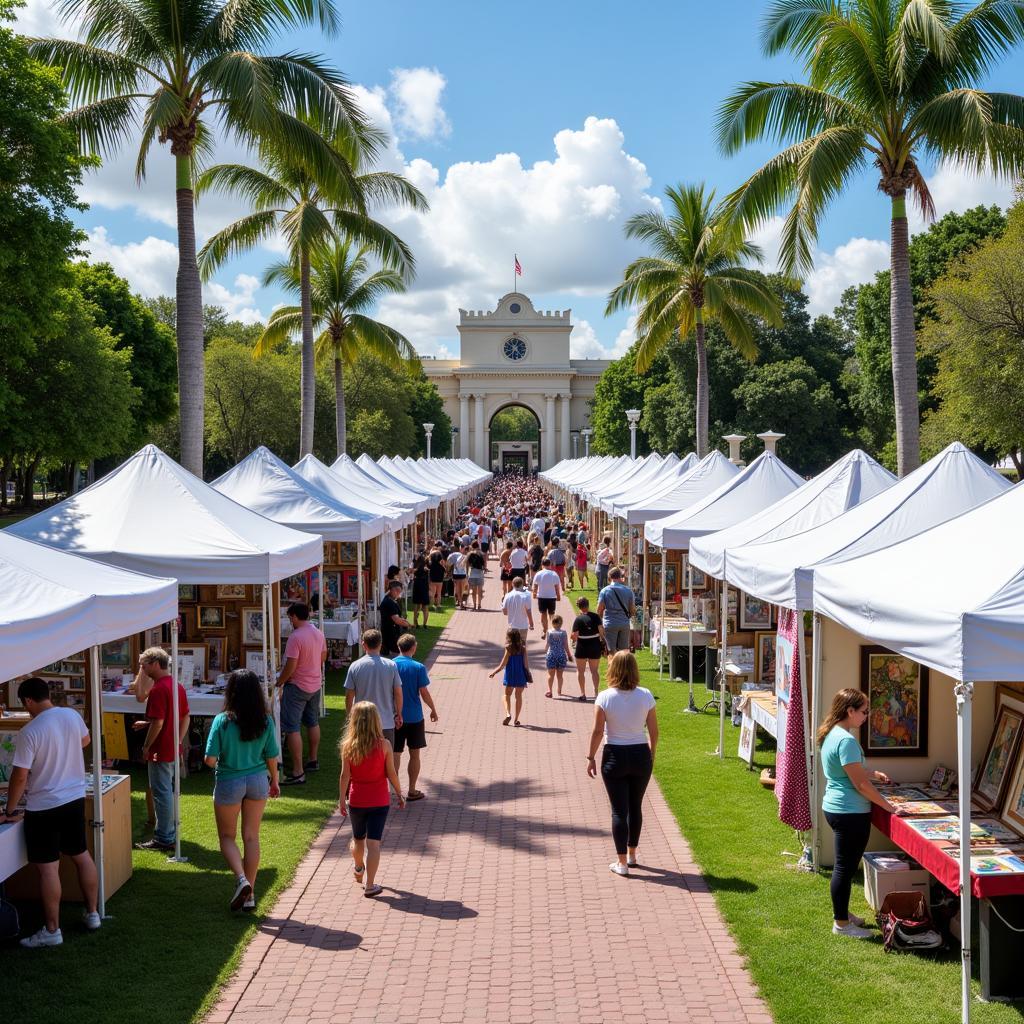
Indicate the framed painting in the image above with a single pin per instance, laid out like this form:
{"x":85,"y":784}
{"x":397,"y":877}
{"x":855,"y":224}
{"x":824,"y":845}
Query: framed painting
{"x":332,"y":589}
{"x":211,"y":616}
{"x":232,"y":591}
{"x":783,"y":668}
{"x":294,"y":588}
{"x":188,"y":592}
{"x":252,"y":625}
{"x":897,"y":691}
{"x":186,"y":623}
{"x":997,"y":765}
{"x":671,"y":580}
{"x":198,"y":654}
{"x":153,"y":637}
{"x":116,"y":653}
{"x":764,"y":658}
{"x":254,"y":663}
{"x":349,"y":586}
{"x":347,"y":553}
{"x":217,"y":651}
{"x":700,"y":579}
{"x":1013,"y":806}
{"x":754,"y":613}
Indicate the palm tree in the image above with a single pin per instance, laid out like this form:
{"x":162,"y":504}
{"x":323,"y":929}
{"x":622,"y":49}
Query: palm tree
{"x":169,"y":68}
{"x":695,"y":273}
{"x":888,"y":82}
{"x":310,"y":211}
{"x":342,"y":291}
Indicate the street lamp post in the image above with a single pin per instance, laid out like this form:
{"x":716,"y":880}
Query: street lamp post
{"x":633,"y":415}
{"x":586,"y":441}
{"x":455,"y":438}
{"x":575,"y":444}
{"x":428,"y":429}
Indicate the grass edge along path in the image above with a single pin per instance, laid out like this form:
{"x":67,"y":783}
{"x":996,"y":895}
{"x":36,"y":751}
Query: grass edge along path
{"x":172,"y":943}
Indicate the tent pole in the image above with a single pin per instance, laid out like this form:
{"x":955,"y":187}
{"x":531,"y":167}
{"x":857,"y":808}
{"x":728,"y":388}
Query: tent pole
{"x":816,"y":660}
{"x":663,"y":630}
{"x":645,"y":604}
{"x":323,"y":665}
{"x":721,"y":669}
{"x":359,"y":581}
{"x":177,"y":858}
{"x":691,"y":707}
{"x":96,"y":713}
{"x":964,"y":699}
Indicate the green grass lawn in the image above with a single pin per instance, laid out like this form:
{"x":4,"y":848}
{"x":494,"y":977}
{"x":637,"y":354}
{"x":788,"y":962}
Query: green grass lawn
{"x":172,"y":941}
{"x":782,"y":918}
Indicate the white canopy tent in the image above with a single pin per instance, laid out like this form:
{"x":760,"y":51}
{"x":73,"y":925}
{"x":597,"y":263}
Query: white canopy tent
{"x":349,"y":471}
{"x":433,"y":483}
{"x":968,"y":624}
{"x":653,"y":476}
{"x":152,"y":516}
{"x":631,"y":471}
{"x":53,"y":605}
{"x":681,"y":492}
{"x":353,"y":493}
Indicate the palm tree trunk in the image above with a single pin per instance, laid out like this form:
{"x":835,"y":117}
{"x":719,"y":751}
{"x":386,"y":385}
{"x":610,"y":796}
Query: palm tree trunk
{"x":702,"y":388}
{"x":308,"y":385}
{"x":339,"y":402}
{"x":904,"y":344}
{"x":189,"y":323}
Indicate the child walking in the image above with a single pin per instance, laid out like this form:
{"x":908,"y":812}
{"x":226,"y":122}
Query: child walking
{"x":516,"y":664}
{"x":558,"y":655}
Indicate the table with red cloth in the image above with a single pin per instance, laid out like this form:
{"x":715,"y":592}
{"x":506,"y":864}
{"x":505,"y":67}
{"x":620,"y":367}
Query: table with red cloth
{"x":933,"y":857}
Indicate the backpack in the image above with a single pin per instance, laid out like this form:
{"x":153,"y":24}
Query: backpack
{"x":906,"y":924}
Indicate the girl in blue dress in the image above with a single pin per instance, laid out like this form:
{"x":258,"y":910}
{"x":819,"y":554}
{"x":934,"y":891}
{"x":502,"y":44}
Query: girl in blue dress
{"x":557,"y":654}
{"x":516,"y":664}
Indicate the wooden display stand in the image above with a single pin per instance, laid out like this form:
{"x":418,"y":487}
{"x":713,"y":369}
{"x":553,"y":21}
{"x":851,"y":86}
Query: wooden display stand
{"x":117,"y":849}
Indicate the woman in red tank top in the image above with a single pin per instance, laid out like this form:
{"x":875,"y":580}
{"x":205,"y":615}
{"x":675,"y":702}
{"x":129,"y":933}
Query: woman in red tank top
{"x":367,"y":766}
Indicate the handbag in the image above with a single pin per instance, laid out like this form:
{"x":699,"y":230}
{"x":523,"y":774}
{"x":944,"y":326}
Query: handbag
{"x":906,"y":924}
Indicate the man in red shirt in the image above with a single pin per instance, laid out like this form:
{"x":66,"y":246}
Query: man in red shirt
{"x":153,"y":686}
{"x":300,"y":678}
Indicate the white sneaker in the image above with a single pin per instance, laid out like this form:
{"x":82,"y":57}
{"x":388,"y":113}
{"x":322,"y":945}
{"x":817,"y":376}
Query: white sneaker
{"x":250,"y":903}
{"x":43,"y":938}
{"x":858,"y":921}
{"x":91,"y":919}
{"x":619,"y":869}
{"x":631,"y":862}
{"x":242,"y":892}
{"x":851,"y":931}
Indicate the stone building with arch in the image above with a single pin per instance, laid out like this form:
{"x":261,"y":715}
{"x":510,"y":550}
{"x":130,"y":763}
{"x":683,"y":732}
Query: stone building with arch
{"x":516,"y":355}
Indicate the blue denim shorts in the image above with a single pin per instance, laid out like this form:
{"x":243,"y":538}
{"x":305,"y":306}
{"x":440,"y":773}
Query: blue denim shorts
{"x":298,"y":706}
{"x":241,"y":787}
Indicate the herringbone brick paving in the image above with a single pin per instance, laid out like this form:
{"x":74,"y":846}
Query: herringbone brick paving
{"x":498,"y":904}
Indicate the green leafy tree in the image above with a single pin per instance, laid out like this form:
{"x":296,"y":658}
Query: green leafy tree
{"x":173,"y":67}
{"x":342,"y":293}
{"x":977,"y":337}
{"x":376,"y":387}
{"x":619,"y":388}
{"x":135,"y":328}
{"x":40,"y":170}
{"x":427,"y":406}
{"x":314,"y":212}
{"x":695,"y":273}
{"x":887,"y":82}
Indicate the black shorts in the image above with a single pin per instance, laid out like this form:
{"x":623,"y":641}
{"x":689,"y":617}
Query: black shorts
{"x":58,"y":830}
{"x":506,"y":575}
{"x":521,"y":573}
{"x":485,"y":546}
{"x":368,"y":822}
{"x":546,"y":604}
{"x":413,"y":734}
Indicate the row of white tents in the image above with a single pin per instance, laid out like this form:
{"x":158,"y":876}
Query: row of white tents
{"x":106,"y":562}
{"x":930,"y":566}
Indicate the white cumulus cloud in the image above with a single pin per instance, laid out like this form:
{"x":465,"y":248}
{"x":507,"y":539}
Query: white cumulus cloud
{"x":416,"y":96}
{"x":583,"y":343}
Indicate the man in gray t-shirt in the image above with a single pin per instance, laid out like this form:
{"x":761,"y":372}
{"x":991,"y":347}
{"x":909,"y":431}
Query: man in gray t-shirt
{"x":376,"y":679}
{"x":616,"y":605}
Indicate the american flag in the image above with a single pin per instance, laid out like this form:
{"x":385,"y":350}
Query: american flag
{"x":519,"y":269}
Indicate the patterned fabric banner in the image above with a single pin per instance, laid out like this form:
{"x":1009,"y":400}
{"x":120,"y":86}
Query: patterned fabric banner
{"x":791,"y":782}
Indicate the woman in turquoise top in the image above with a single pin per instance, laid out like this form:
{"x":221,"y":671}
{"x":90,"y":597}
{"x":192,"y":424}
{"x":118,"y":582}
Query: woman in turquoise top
{"x":849,"y":794}
{"x":243,"y":750}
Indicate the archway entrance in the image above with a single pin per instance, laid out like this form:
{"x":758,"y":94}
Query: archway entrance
{"x":514,"y":433}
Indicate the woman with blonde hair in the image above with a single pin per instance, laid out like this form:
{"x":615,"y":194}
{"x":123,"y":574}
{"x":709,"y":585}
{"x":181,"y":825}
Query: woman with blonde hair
{"x":367,"y":766}
{"x":849,"y":794}
{"x":621,"y":714}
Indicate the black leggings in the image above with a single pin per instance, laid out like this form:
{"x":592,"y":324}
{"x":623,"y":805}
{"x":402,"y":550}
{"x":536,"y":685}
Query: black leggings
{"x":626,"y":770}
{"x":852,"y":832}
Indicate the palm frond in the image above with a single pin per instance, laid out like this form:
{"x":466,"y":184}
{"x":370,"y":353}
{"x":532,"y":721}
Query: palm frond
{"x":104,"y":125}
{"x":388,"y":247}
{"x":388,"y":345}
{"x":89,"y":72}
{"x":258,"y":188}
{"x":241,"y":236}
{"x":737,"y":329}
{"x":391,"y":188}
{"x":367,"y":293}
{"x":283,"y":324}
{"x":162,"y":108}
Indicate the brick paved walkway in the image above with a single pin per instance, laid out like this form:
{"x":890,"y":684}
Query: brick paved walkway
{"x":498,"y":903}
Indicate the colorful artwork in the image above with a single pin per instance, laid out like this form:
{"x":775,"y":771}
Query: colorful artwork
{"x":232,"y":591}
{"x":942,"y":779}
{"x":349,"y":586}
{"x":764,"y":658}
{"x":754,"y":613}
{"x":700,"y":580}
{"x":116,"y":653}
{"x":995,"y":768}
{"x":928,"y":808}
{"x":747,"y":732}
{"x":1000,"y":832}
{"x":783,"y":667}
{"x":902,"y":794}
{"x":897,"y":690}
{"x":295,"y":588}
{"x":671,"y":580}
{"x":332,"y":589}
{"x":1006,"y":865}
{"x":941,"y":830}
{"x":347,"y":553}
{"x":252,"y":625}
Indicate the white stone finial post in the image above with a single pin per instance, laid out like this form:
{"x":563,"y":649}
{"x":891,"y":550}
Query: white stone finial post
{"x":735,"y":440}
{"x":771,"y":439}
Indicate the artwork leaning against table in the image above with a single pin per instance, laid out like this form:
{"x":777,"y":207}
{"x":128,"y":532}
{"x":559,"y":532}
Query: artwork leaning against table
{"x":897,"y":691}
{"x":997,"y":766}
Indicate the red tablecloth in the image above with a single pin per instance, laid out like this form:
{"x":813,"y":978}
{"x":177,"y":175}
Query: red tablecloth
{"x":934,"y":859}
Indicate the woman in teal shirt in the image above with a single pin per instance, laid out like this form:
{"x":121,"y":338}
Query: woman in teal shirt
{"x":243,"y":750}
{"x":849,"y":794}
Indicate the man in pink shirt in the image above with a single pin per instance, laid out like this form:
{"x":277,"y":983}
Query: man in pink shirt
{"x":300,"y":678}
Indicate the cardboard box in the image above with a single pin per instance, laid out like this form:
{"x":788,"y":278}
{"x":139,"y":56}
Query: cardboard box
{"x":880,"y":880}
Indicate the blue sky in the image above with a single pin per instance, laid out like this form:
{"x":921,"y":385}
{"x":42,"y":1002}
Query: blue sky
{"x":536,"y":128}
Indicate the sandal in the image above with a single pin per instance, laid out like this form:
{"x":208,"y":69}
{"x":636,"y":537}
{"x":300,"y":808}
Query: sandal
{"x":294,"y":780}
{"x":506,"y":720}
{"x":519,"y":724}
{"x":357,"y":870}
{"x":548,"y":694}
{"x":373,"y":890}
{"x":414,"y":795}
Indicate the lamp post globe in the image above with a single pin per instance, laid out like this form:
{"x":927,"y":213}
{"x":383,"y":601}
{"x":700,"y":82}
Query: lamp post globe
{"x":428,"y":429}
{"x":633,"y":416}
{"x":586,"y":432}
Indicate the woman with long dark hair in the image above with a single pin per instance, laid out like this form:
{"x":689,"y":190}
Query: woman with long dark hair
{"x":849,"y":794}
{"x":436,"y":571}
{"x":243,"y":750}
{"x":420,"y":591}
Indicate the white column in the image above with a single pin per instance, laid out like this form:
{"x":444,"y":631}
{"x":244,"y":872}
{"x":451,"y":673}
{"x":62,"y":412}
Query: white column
{"x":478,"y":431}
{"x":463,"y":426}
{"x":566,"y":442}
{"x":548,"y":433}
